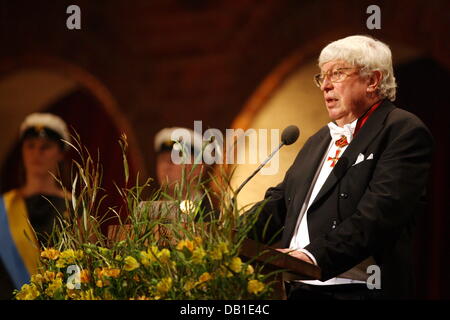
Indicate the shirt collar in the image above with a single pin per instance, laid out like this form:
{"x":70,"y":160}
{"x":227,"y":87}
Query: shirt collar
{"x":347,"y":130}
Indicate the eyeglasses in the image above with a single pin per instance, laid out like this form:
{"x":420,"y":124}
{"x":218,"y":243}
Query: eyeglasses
{"x":336,"y":75}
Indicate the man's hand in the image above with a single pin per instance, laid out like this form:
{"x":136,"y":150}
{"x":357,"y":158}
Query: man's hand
{"x":296,"y":254}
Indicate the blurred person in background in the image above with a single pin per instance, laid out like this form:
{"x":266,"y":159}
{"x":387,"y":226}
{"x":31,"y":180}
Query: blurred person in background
{"x":29,"y":212}
{"x":180,"y":170}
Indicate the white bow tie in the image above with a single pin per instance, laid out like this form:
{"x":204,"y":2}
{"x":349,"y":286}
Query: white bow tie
{"x":337,"y":132}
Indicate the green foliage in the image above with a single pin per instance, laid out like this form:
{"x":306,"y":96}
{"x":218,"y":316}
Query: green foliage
{"x":173,"y":246}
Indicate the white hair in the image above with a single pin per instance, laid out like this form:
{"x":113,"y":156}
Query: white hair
{"x":369,"y":54}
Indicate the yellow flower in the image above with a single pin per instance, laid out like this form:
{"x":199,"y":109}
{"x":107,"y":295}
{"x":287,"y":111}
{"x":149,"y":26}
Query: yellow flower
{"x":204,"y":277}
{"x":84,"y":276}
{"x":216,"y":254}
{"x":99,"y":283}
{"x":53,"y":287}
{"x":68,"y":257}
{"x":150,"y":256}
{"x":50,"y":253}
{"x":106,"y":272}
{"x":164,"y":285}
{"x":111,"y":272}
{"x":198,"y":240}
{"x":185,"y":243}
{"x":153,"y":252}
{"x":236,"y":264}
{"x":131,"y":263}
{"x":118,"y":257}
{"x":71,"y":255}
{"x":49,"y":276}
{"x":164,"y":256}
{"x":73,"y":294}
{"x":146,"y":258}
{"x":223,"y":247}
{"x":37,"y":279}
{"x":255,"y":286}
{"x":79,"y":254}
{"x":198,"y":255}
{"x":61,"y":263}
{"x":98,"y":272}
{"x":201,"y":283}
{"x":189,"y":285}
{"x":28,"y":292}
{"x":218,"y":251}
{"x":140,"y":298}
{"x":88,"y":295}
{"x":250,"y":269}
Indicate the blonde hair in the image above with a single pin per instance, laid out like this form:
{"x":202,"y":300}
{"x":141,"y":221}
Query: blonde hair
{"x":369,"y":54}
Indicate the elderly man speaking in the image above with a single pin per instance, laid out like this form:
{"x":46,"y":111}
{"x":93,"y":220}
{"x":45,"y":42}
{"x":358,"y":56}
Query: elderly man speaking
{"x":348,"y":202}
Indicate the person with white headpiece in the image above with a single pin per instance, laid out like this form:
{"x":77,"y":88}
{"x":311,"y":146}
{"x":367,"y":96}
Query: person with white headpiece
{"x":180,"y":169}
{"x":177,"y":152}
{"x":28,"y":213}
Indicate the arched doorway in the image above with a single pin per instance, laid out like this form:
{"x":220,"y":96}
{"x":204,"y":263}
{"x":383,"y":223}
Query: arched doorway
{"x":82,"y":101}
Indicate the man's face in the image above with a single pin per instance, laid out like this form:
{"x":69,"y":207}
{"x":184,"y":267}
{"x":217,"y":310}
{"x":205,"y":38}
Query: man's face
{"x":345,"y":100}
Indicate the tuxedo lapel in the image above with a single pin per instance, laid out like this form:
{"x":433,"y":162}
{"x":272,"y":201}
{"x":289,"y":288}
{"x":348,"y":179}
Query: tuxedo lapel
{"x":304,"y":174}
{"x":358,"y":145}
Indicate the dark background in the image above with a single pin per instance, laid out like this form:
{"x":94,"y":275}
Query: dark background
{"x":165,"y":63}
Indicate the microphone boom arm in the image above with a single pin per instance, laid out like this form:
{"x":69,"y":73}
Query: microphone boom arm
{"x":257,"y":170}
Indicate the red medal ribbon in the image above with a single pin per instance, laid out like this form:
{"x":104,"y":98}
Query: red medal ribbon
{"x":363,"y":119}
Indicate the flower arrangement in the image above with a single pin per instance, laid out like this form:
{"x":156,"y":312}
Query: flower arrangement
{"x":192,"y":255}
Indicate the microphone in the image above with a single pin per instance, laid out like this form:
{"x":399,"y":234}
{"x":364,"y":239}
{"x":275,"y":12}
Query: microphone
{"x":288,"y":136}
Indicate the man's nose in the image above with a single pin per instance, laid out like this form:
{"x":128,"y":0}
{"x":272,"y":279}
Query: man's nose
{"x":327,"y":85}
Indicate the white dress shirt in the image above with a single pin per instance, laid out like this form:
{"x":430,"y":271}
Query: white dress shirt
{"x":301,"y":234}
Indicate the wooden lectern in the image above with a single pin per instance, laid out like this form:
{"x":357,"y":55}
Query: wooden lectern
{"x":290,"y":268}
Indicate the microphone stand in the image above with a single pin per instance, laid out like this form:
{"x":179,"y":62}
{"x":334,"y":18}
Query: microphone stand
{"x":256,"y":171}
{"x":234,"y":199}
{"x":289,"y":136}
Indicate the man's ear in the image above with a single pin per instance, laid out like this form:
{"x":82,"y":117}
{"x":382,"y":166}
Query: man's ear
{"x":374,"y":80}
